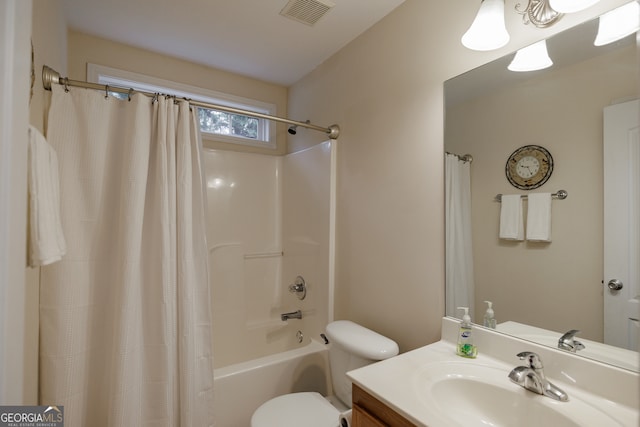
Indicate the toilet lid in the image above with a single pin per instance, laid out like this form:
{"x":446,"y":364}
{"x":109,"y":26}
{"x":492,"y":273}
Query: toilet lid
{"x":307,"y":409}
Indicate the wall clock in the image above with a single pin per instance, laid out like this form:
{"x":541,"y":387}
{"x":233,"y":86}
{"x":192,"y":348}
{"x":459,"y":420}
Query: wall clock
{"x":529,"y":167}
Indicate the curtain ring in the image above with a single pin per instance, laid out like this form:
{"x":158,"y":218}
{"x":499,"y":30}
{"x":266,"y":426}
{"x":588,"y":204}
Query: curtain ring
{"x":129,"y":94}
{"x":155,"y":98}
{"x":106,"y":91}
{"x":66,"y":84}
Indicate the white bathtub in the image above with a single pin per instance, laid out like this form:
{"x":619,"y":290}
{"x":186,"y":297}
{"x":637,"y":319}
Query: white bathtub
{"x":239,"y":389}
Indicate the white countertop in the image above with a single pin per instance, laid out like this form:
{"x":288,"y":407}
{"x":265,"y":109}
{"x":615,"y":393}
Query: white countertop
{"x":397,"y":381}
{"x":617,"y":356}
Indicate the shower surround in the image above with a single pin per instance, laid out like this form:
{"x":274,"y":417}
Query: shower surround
{"x":269,"y":219}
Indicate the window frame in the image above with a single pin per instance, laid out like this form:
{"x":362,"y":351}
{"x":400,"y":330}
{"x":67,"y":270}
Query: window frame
{"x":266,"y":138}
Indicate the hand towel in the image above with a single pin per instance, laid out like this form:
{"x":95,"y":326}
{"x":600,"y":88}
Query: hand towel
{"x":511,"y":224}
{"x":46,"y":239}
{"x":539,"y":217}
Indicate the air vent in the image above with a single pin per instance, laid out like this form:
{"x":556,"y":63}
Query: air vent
{"x":306,"y":11}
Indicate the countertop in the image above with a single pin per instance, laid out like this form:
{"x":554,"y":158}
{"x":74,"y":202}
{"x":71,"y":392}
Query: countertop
{"x":398,"y":382}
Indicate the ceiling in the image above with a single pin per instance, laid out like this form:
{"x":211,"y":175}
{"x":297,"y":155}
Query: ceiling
{"x":247,"y":37}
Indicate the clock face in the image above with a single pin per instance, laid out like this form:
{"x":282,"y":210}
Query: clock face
{"x":529,"y":167}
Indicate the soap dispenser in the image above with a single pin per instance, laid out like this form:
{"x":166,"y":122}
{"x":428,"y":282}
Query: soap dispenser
{"x":465,"y":347}
{"x":489,"y":319}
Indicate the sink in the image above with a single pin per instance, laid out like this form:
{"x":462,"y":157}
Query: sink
{"x":432,"y":386}
{"x":617,"y":356}
{"x":468,"y":393}
{"x":621,"y":357}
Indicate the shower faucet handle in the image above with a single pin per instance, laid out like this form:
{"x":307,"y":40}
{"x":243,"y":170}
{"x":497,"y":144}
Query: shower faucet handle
{"x":299,"y":287}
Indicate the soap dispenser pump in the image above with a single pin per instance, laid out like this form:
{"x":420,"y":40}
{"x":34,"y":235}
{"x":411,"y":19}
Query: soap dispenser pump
{"x":489,"y":319}
{"x":465,"y":346}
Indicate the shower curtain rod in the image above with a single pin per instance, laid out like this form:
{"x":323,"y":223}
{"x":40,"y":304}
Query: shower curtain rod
{"x":50,"y":76}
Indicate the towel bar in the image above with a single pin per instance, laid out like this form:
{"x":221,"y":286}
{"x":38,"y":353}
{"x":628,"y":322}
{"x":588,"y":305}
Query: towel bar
{"x":560,"y":195}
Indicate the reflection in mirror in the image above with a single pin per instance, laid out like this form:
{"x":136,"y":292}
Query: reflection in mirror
{"x":556,"y":286}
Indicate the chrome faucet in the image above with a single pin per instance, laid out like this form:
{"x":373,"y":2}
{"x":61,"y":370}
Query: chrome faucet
{"x":569,"y":343}
{"x":292,"y":315}
{"x":533,"y":379}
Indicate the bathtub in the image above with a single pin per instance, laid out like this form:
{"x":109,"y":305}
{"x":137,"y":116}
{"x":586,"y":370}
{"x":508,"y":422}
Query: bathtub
{"x":239,"y":389}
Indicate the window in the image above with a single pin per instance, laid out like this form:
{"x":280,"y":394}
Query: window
{"x":223,"y":123}
{"x":214,"y":124}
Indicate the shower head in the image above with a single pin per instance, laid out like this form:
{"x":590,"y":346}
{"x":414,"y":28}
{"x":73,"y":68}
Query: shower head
{"x":293,"y":129}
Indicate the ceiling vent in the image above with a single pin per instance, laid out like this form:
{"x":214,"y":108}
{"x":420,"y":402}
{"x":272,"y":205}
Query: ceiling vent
{"x":306,"y":11}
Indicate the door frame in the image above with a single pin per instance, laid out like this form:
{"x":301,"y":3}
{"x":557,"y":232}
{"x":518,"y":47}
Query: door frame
{"x":15,"y":76}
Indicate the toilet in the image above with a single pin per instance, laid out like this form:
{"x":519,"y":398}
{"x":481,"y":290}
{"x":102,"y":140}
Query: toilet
{"x":351,"y":346}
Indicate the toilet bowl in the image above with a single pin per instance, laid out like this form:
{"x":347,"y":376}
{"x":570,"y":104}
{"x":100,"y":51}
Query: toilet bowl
{"x":351,"y":346}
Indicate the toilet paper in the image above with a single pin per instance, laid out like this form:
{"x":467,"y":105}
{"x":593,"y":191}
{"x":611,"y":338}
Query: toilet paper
{"x":345,"y":419}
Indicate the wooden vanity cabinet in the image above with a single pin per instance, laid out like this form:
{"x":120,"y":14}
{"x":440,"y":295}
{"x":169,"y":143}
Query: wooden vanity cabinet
{"x":368,"y":411}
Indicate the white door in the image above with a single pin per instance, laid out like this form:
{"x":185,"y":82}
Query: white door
{"x":622,"y":224}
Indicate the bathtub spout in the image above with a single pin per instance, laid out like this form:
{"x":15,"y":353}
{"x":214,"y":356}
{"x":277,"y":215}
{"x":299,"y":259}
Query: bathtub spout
{"x":292,"y":315}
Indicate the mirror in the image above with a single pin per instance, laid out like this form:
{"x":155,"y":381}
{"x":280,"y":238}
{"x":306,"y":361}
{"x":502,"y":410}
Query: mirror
{"x":543,"y":289}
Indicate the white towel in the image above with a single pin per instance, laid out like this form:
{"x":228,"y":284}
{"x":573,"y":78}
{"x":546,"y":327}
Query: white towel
{"x":46,"y":240}
{"x":511,"y":224}
{"x":539,"y":217}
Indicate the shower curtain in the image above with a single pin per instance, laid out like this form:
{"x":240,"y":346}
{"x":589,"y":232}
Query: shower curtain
{"x":125,"y":333}
{"x":459,"y":285}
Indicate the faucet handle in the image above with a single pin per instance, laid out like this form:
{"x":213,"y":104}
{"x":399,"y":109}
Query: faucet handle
{"x":568,"y":341}
{"x":569,"y":334}
{"x":299,"y":288}
{"x":535,"y":362}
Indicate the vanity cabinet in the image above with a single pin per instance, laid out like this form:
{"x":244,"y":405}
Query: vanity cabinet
{"x":368,"y":411}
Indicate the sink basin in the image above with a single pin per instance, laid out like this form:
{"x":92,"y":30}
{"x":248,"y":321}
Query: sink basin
{"x":472,"y":394}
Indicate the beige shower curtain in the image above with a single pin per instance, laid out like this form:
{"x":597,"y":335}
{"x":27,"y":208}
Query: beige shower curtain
{"x":124,"y":317}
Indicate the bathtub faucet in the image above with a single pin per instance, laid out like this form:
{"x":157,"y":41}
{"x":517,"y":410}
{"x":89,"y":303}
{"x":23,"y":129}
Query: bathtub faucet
{"x":292,"y":315}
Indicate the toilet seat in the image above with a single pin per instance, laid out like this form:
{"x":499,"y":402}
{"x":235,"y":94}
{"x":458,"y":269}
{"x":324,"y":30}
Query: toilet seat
{"x":307,"y":409}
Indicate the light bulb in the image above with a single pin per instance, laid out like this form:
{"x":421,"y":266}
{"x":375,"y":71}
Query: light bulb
{"x":570,"y":6}
{"x":618,"y":23}
{"x":531,"y":58}
{"x":488,"y":30}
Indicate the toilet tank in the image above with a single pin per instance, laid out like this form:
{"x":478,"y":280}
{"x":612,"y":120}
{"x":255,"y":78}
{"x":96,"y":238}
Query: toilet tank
{"x":354,"y":346}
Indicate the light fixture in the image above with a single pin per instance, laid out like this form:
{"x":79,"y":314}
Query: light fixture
{"x":618,"y":23}
{"x":538,"y":13}
{"x":488,"y":30}
{"x":570,"y":6}
{"x":531,"y":58}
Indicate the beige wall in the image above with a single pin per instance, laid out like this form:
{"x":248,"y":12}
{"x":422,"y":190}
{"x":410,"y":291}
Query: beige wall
{"x":562,"y":111}
{"x":85,"y":49}
{"x":385,"y":91}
